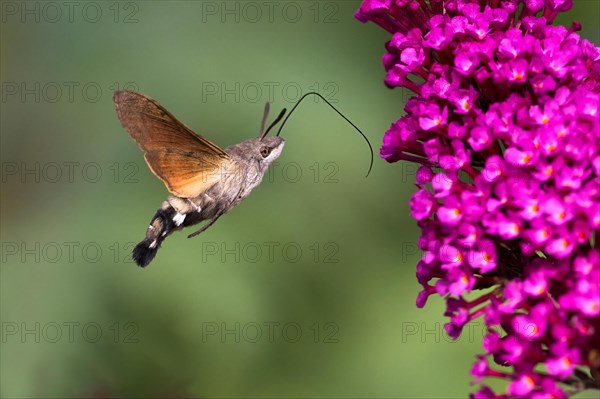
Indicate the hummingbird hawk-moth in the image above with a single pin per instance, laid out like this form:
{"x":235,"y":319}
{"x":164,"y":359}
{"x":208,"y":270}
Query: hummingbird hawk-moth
{"x":204,"y":180}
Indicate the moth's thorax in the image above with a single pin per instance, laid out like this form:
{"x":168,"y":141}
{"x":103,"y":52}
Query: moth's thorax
{"x":236,"y":180}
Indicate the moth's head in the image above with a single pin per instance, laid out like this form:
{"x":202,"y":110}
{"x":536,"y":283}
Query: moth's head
{"x":269,"y":148}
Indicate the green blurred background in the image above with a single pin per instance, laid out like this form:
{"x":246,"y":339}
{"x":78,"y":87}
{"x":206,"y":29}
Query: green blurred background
{"x":330,"y":312}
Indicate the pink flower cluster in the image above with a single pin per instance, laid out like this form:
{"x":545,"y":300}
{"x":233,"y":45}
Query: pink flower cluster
{"x":505,"y":122}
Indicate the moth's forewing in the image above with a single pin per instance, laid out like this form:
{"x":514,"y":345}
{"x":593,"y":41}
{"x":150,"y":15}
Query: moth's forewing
{"x":186,"y":162}
{"x":185,"y":173}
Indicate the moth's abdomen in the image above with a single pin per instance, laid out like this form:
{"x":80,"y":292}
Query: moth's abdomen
{"x":161,"y":225}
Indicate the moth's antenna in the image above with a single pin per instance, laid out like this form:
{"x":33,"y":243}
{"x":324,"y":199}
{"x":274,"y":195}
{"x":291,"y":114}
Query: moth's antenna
{"x":339,"y":113}
{"x":264,"y":119}
{"x":276,"y":121}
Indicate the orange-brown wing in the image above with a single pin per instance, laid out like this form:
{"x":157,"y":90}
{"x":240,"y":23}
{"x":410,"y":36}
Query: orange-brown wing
{"x":185,"y":173}
{"x":186,"y":162}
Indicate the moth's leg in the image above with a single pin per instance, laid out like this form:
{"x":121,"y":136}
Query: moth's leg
{"x":206,"y":226}
{"x":217,"y":216}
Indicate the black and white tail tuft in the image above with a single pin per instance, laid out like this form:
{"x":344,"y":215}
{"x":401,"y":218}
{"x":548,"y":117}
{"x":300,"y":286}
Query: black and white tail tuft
{"x":161,"y":225}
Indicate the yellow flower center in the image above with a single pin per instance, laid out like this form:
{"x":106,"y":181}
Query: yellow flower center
{"x":541,"y":290}
{"x":529,"y":381}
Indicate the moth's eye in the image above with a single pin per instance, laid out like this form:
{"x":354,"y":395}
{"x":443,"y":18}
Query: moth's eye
{"x":265,"y":151}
